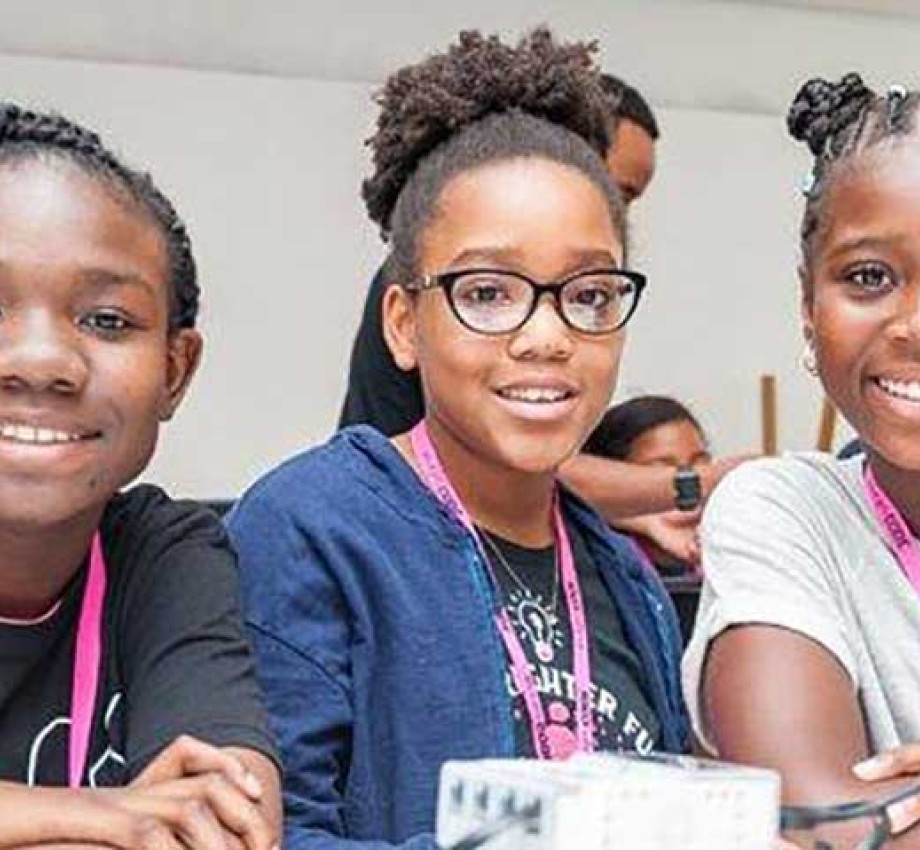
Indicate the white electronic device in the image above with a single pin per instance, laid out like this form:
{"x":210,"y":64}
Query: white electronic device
{"x":607,"y":802}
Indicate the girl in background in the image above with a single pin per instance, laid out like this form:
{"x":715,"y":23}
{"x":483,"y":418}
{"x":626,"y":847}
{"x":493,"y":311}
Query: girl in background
{"x":657,"y":431}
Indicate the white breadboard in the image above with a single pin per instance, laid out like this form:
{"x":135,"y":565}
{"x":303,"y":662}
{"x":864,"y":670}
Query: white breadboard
{"x":610,"y":802}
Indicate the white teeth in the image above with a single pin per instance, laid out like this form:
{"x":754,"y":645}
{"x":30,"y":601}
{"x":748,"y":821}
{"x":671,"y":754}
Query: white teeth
{"x":28,"y":434}
{"x":909,"y":390}
{"x":534,"y":394}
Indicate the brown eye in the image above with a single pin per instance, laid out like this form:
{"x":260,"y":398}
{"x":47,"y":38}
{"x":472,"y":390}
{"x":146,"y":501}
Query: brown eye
{"x":484,"y":290}
{"x":871,"y":278}
{"x":105,"y":322}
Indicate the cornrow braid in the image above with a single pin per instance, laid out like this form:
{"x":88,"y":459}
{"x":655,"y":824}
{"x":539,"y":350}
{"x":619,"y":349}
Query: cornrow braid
{"x":482,"y":101}
{"x":24,"y":134}
{"x":838,"y":121}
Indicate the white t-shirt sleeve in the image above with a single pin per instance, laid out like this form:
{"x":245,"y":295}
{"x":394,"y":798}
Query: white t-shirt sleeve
{"x":768,"y":557}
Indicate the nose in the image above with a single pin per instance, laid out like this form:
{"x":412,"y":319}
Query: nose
{"x":544,"y":336}
{"x":37,"y":354}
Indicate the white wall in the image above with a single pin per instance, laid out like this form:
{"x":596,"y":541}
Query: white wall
{"x":266,"y":171}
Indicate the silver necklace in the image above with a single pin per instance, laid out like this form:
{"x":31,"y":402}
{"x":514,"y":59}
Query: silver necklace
{"x":553,"y":603}
{"x":538,"y":620}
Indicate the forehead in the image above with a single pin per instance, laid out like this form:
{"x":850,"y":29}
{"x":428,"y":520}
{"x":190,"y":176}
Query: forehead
{"x":877,"y":193}
{"x":54,"y":213}
{"x":542,"y":209}
{"x":676,"y":439}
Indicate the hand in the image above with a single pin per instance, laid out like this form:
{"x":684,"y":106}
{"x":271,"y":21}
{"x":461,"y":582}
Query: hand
{"x":897,"y":763}
{"x":200,"y":812}
{"x":205,"y":794}
{"x":672,"y":534}
{"x":187,"y":756}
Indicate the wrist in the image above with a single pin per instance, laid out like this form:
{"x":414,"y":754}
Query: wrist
{"x":688,"y":488}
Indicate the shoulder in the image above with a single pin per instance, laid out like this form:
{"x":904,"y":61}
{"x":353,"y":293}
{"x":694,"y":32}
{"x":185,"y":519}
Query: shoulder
{"x":357,"y":461}
{"x":165,"y":556}
{"x":145,"y":520}
{"x":799,"y":485}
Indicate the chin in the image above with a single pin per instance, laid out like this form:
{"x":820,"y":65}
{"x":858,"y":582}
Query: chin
{"x":31,"y":508}
{"x":903,"y":453}
{"x":539,"y":458}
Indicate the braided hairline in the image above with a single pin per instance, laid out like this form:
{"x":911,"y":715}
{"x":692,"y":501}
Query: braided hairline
{"x":24,"y":133}
{"x":859,"y":127}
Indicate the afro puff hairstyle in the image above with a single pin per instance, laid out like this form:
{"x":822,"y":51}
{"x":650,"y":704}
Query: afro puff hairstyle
{"x":482,"y":101}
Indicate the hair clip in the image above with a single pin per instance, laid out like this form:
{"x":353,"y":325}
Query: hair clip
{"x":807,"y":183}
{"x":895,"y":97}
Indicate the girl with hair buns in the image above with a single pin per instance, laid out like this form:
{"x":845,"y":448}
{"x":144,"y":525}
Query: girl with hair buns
{"x":437,"y":595}
{"x":130,"y":715}
{"x":806,"y":655}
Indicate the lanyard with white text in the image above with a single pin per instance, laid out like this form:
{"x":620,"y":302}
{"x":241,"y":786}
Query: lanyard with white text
{"x":436,"y":478}
{"x":896,"y":530}
{"x":86,"y":664}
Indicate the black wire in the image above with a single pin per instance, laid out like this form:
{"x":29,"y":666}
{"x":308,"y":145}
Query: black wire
{"x":804,"y":817}
{"x":525,"y":818}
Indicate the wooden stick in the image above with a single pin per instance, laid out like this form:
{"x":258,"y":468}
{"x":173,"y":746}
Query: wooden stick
{"x":768,"y":413}
{"x":826,"y":429}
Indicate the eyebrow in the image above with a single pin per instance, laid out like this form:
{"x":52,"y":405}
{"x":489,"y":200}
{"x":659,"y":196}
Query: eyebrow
{"x":862,"y":243}
{"x":508,"y":256}
{"x":98,"y":278}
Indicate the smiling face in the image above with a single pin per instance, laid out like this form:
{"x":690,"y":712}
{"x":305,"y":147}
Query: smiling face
{"x":88,"y":367}
{"x":862,"y":299}
{"x":521,"y":401}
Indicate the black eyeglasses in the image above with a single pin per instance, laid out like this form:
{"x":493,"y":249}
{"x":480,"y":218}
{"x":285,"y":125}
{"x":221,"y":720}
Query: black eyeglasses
{"x":496,"y":301}
{"x":875,"y":811}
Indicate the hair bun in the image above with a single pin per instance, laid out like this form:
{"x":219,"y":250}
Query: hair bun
{"x":423,"y":104}
{"x":821,"y":109}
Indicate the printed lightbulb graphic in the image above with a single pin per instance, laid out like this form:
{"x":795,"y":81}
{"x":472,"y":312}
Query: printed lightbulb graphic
{"x":538,"y":628}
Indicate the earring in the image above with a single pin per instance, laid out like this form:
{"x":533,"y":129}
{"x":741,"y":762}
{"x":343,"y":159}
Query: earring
{"x":807,"y":359}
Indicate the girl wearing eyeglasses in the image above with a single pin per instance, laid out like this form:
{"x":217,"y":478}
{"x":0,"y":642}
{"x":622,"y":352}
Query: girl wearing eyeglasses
{"x":437,"y":595}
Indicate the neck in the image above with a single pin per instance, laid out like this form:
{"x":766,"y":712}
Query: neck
{"x":37,"y":564}
{"x":901,"y":486}
{"x":514,"y":504}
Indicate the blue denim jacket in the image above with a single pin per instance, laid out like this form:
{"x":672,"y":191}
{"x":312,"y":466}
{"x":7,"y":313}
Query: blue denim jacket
{"x":372,"y":619}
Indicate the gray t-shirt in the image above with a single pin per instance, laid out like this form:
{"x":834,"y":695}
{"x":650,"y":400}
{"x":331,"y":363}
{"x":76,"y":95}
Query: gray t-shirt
{"x":793,"y":542}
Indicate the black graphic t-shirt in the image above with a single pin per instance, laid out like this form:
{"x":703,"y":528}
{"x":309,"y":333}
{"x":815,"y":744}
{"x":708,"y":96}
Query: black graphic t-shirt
{"x":534,"y":599}
{"x":175,"y":659}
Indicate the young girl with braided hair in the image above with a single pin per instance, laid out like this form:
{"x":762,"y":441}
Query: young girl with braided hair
{"x":129,"y":711}
{"x":806,"y":655}
{"x":436,"y":595}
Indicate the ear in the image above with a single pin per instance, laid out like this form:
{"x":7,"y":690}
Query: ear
{"x":183,"y":355}
{"x":806,"y":305}
{"x":400,"y":326}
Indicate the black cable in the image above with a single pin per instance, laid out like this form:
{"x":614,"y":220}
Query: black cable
{"x":525,"y":818}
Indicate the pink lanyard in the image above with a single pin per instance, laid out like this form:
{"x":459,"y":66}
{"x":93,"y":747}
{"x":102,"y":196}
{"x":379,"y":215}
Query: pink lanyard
{"x":86,"y":664}
{"x":895,"y":529}
{"x":436,"y":478}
